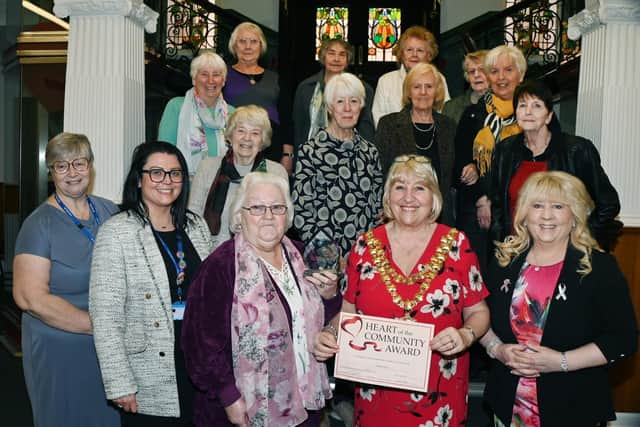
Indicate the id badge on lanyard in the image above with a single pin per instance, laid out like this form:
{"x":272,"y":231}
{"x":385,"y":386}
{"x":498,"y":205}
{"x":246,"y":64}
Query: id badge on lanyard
{"x":178,"y":309}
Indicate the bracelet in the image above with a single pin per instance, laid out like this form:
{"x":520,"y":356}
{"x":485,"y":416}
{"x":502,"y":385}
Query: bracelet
{"x":563,"y":362}
{"x":492,"y":346}
{"x":473,"y":334}
{"x":330,"y":328}
{"x":289,"y":155}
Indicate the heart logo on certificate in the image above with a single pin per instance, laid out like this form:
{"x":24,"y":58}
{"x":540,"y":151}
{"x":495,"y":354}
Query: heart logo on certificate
{"x":352,"y":326}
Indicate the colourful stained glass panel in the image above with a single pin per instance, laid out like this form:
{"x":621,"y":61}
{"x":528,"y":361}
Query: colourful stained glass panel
{"x":331,"y":23}
{"x":384,"y":32}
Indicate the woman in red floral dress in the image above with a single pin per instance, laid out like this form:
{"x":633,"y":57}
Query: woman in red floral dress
{"x":388,"y":276}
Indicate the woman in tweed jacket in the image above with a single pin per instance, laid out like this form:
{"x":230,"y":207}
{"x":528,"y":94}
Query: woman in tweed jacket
{"x":143,"y":261}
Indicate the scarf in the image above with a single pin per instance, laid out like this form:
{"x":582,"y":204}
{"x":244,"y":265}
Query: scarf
{"x":262,"y":348}
{"x":227,"y":173}
{"x":499,"y":124}
{"x":318,"y":117}
{"x":194,"y":117}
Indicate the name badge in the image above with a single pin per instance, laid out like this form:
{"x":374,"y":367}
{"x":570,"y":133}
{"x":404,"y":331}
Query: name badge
{"x":178,"y":310}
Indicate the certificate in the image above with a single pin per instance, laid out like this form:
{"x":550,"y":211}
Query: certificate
{"x":387,"y":352}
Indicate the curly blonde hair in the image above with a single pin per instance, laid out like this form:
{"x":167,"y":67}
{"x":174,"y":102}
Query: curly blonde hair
{"x":558,"y":187}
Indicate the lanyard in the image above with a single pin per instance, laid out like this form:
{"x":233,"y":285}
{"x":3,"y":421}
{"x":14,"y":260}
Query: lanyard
{"x":180,"y":264}
{"x":76,"y":221}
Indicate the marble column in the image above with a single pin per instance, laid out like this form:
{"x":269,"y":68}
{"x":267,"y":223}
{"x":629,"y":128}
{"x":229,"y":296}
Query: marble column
{"x":609,"y":92}
{"x":104,"y":87}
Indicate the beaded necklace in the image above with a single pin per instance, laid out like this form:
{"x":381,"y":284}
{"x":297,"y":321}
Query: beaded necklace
{"x":424,"y":277}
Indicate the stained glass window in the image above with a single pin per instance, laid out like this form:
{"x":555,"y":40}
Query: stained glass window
{"x":384,"y":32}
{"x":331,"y":23}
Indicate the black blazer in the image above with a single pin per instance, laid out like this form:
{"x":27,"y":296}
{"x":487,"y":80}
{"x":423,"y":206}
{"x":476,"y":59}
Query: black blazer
{"x":596,"y":308}
{"x":572,"y":154}
{"x":394,"y":137}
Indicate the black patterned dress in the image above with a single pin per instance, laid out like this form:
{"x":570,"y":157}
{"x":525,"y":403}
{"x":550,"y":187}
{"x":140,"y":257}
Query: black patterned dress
{"x":337,"y":189}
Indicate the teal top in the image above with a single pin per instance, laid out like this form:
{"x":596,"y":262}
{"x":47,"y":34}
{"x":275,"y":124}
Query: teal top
{"x":168,"y":129}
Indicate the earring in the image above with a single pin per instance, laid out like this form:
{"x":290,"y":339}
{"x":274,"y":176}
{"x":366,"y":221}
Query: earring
{"x":573,"y":225}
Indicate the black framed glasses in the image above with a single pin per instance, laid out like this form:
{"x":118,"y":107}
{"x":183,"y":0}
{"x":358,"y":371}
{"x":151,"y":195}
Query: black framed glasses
{"x":159,"y":174}
{"x":259,"y":210}
{"x":81,"y":164}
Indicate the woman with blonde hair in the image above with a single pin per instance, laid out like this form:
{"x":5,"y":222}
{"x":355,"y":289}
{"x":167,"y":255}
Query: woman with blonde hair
{"x":561,"y":312}
{"x":413,"y":269}
{"x":419,"y":129}
{"x":416,"y":45}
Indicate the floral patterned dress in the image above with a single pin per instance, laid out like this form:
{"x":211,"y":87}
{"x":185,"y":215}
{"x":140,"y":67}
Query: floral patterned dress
{"x":458,"y":285}
{"x":529,"y":310}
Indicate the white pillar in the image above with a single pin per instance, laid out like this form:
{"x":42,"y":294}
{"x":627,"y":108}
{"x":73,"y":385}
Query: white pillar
{"x":104,"y":87}
{"x":609,"y":93}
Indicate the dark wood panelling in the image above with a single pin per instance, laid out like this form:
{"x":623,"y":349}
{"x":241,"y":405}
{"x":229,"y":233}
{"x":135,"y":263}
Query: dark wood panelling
{"x":625,"y":377}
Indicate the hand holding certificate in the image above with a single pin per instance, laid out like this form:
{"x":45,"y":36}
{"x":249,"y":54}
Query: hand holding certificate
{"x":387,"y":352}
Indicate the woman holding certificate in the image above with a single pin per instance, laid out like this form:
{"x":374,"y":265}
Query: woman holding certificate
{"x":390,"y":275}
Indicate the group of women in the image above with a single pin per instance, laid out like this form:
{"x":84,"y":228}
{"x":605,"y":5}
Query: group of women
{"x":192,"y":306}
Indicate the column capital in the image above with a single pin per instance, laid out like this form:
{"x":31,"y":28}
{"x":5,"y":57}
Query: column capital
{"x":620,"y":11}
{"x":600,"y":12}
{"x":134,"y":9}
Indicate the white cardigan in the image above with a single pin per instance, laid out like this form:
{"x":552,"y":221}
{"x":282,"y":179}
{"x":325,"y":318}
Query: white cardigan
{"x":130,"y":308}
{"x":201,"y":185}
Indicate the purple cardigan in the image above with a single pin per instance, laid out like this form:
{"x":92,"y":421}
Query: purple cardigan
{"x":206,"y":335}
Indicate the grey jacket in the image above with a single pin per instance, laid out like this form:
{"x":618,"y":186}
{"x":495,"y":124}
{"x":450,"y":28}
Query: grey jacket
{"x":130,"y":308}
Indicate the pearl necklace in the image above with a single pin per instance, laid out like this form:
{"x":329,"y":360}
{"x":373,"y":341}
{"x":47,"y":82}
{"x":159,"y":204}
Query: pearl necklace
{"x":431,"y":129}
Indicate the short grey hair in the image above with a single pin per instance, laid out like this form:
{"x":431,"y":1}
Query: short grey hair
{"x":67,"y":144}
{"x":512,"y":52}
{"x":251,"y":115}
{"x":251,"y":179}
{"x":345,"y":84}
{"x":249,"y":26}
{"x":208,"y":59}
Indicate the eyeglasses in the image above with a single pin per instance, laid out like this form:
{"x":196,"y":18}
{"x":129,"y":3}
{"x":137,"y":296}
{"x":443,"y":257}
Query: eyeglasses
{"x":259,"y":210}
{"x":61,"y":167}
{"x":158,"y":174}
{"x":416,"y":158}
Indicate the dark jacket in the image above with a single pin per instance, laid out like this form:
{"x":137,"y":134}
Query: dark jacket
{"x":206,"y":334}
{"x":302,"y":102}
{"x":596,"y":308}
{"x":470,"y":123}
{"x":394,"y":137}
{"x":572,"y":154}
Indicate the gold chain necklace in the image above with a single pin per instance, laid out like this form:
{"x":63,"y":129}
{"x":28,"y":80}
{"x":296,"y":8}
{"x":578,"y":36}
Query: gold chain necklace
{"x":424,"y":277}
